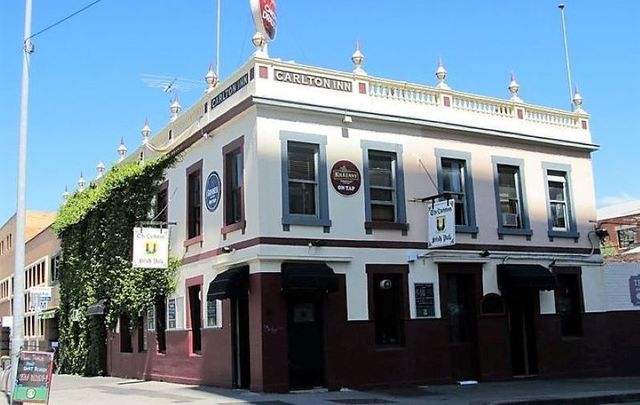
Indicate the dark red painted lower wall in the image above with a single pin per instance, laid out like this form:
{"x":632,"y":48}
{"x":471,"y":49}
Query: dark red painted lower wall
{"x":609,"y":346}
{"x":212,"y":366}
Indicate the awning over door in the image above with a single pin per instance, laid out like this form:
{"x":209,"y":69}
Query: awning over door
{"x":231,"y":283}
{"x":518,"y":276}
{"x":49,"y":313}
{"x":308,"y":279}
{"x":97,"y":308}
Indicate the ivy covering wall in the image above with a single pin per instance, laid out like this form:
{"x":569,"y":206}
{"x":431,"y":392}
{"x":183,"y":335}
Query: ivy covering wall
{"x":95,"y":229}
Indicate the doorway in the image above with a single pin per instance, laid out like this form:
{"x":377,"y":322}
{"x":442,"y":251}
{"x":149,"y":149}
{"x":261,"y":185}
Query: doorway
{"x":305,"y":330}
{"x":195,"y":314}
{"x":522,"y":306}
{"x":461,"y":309}
{"x":240,"y":342}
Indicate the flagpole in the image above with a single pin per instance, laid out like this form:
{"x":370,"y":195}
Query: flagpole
{"x":566,"y":53}
{"x":218,"y":42}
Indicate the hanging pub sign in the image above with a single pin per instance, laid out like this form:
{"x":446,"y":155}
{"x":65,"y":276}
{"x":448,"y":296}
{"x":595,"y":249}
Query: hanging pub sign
{"x":151,"y":248}
{"x":441,"y":224}
{"x":345,"y":177}
{"x":33,"y":380}
{"x":265,"y":17}
{"x":634,"y":289}
{"x":212,"y":191}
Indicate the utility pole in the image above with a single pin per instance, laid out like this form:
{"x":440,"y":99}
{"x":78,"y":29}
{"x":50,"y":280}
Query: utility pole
{"x":17,"y":340}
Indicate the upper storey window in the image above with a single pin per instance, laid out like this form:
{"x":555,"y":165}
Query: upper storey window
{"x":234,"y":215}
{"x":561,"y":216}
{"x":194,"y":200}
{"x":454,"y":177}
{"x":304,"y":180}
{"x":510,"y":197}
{"x":384,"y":187}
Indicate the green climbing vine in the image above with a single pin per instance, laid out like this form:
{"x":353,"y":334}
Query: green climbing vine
{"x":95,"y":230}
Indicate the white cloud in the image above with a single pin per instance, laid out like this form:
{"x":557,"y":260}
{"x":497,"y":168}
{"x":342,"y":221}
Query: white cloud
{"x":616,"y":199}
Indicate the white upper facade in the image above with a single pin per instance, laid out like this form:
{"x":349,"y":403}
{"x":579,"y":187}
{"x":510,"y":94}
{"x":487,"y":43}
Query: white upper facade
{"x":428,"y":133}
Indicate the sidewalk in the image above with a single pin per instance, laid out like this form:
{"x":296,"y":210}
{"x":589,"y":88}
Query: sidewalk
{"x":74,"y":390}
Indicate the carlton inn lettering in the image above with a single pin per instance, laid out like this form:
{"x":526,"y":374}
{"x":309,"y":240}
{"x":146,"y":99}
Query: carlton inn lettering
{"x":314,"y":81}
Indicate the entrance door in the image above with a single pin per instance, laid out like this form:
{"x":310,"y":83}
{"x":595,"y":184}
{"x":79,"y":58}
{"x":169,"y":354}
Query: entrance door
{"x":463,"y":336}
{"x":522,"y":306}
{"x":305,"y":329}
{"x":240,"y":330}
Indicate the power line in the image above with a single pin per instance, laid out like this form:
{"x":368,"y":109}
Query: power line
{"x":64,"y":19}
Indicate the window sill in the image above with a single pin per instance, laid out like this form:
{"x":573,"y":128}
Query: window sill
{"x":306,"y":220}
{"x":386,"y":225}
{"x":194,"y":240}
{"x":514,"y":231}
{"x":466,"y":229}
{"x":234,"y":227}
{"x":566,"y":234}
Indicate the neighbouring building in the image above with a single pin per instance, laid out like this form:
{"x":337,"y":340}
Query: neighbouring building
{"x":622,"y":223}
{"x":300,"y":206}
{"x":42,"y":250}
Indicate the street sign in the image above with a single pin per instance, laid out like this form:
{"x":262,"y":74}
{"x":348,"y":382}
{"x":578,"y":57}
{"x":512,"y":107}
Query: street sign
{"x":41,"y":291}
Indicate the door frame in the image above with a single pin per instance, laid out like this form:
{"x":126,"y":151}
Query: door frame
{"x":475,"y":270}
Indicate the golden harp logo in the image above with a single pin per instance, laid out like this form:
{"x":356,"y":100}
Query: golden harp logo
{"x":441,"y":223}
{"x":150,"y":247}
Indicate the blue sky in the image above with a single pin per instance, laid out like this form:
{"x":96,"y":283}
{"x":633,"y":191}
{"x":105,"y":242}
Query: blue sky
{"x":86,"y":90}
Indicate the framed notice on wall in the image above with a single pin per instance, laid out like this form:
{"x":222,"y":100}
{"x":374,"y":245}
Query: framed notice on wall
{"x":425,"y":303}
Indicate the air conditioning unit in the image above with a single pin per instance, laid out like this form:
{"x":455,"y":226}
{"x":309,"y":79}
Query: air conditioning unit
{"x":509,"y":220}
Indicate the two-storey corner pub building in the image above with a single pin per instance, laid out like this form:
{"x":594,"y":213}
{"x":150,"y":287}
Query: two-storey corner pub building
{"x":301,"y":209}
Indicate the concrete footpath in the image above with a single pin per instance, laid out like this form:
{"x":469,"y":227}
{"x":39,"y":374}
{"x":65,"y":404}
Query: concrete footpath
{"x":74,"y":390}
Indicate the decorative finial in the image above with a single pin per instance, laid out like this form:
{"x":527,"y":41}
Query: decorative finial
{"x":81,"y":183}
{"x":358,"y":59}
{"x":145,"y":131}
{"x":100,"y":170}
{"x":175,"y":109}
{"x":514,"y":88}
{"x":260,"y":42}
{"x":211,"y":78}
{"x":122,"y":150}
{"x":65,"y":195}
{"x":441,"y":74}
{"x":577,"y":101}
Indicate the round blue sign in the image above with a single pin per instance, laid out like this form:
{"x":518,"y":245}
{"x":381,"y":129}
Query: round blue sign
{"x":212,"y":191}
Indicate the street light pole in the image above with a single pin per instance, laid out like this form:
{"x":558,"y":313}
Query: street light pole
{"x":18,"y":285}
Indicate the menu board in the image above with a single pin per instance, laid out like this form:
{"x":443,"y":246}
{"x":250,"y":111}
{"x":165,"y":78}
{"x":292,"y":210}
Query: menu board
{"x":425,"y":304}
{"x":171,"y":313}
{"x":34,"y":377}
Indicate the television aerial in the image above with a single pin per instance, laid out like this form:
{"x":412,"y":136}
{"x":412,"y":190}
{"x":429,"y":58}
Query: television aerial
{"x":169,"y":84}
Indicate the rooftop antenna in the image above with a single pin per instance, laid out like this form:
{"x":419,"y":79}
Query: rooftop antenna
{"x":566,"y":53}
{"x":169,"y":84}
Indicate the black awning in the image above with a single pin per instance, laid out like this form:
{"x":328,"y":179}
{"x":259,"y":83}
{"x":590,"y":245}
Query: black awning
{"x":308,"y":279}
{"x":518,"y":276}
{"x":97,"y":308}
{"x":232,"y":283}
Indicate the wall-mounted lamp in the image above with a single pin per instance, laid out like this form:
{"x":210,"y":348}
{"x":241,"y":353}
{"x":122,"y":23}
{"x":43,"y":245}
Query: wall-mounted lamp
{"x":317,"y":243}
{"x":227,"y":249}
{"x":602,"y":234}
{"x":347,"y":119}
{"x":553,"y":263}
{"x":485,"y":253}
